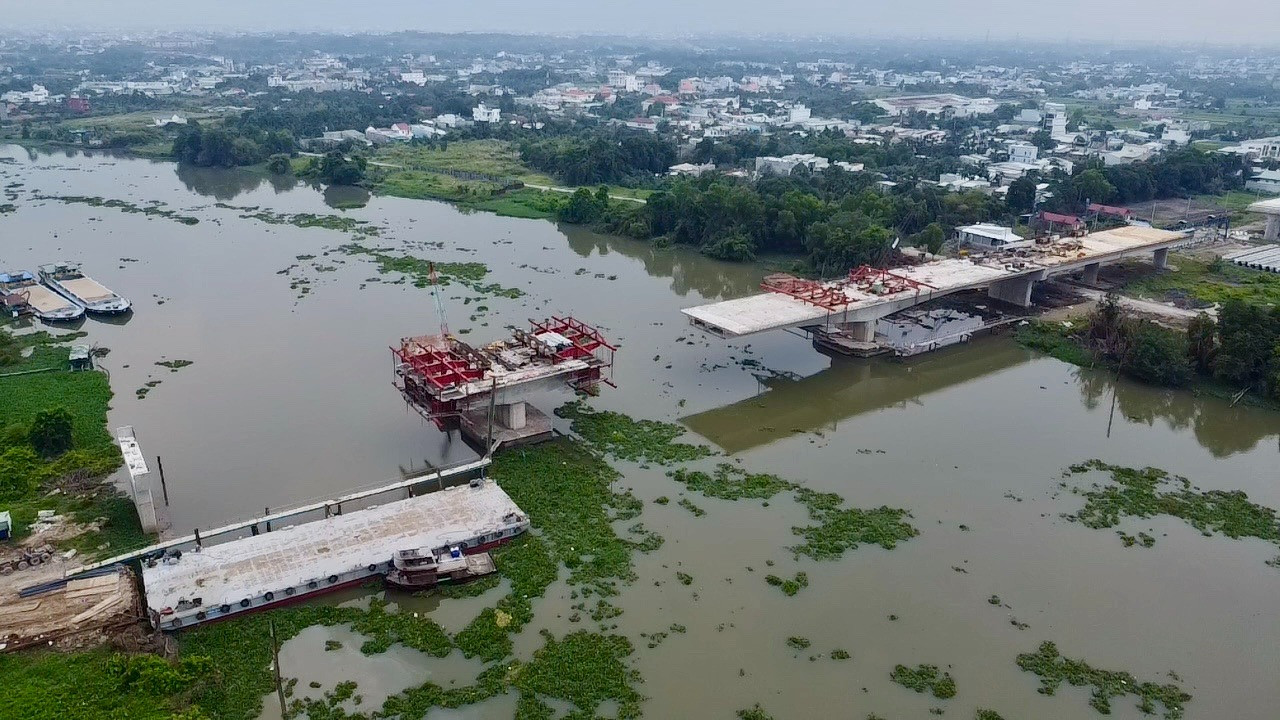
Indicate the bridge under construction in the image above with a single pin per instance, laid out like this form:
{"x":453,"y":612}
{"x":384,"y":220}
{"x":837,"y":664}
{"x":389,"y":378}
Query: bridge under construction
{"x":851,"y":305}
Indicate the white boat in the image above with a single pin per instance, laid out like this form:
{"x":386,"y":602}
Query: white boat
{"x":43,"y":302}
{"x":66,"y":279}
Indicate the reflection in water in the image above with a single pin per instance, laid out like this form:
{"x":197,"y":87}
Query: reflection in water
{"x":847,"y":388}
{"x":1219,"y":428}
{"x":688,"y":269}
{"x":344,"y":197}
{"x":851,"y":387}
{"x":226,"y":183}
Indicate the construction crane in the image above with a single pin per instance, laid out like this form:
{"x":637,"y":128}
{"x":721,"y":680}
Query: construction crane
{"x":435,"y":293}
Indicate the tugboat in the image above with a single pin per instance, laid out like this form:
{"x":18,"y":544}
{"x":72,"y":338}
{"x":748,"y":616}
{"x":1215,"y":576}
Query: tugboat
{"x":421,"y":569}
{"x":37,"y":299}
{"x":66,"y":279}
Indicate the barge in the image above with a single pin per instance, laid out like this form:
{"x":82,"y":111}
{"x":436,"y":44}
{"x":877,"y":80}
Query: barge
{"x":37,"y":299}
{"x":66,"y":279}
{"x":290,"y":564}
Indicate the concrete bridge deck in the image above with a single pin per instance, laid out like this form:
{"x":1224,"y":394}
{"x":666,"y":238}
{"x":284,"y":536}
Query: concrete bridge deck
{"x":1009,"y":275}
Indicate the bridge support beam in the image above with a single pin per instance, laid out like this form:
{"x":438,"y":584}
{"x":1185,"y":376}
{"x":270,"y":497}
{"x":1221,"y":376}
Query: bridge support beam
{"x":1160,"y":258}
{"x":1015,"y":291}
{"x":1090,"y":274}
{"x":1272,"y":233}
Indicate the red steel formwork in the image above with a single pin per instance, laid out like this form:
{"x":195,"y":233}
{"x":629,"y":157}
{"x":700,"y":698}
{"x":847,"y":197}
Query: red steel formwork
{"x":810,"y":291}
{"x":866,"y":278}
{"x":431,"y":371}
{"x":585,"y":343}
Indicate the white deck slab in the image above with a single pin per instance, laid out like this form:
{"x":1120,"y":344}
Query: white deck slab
{"x":293,"y":556}
{"x":772,"y":310}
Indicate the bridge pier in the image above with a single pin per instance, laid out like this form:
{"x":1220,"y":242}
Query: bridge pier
{"x":864,"y":331}
{"x":1090,"y":274}
{"x":1272,"y":233}
{"x":1015,"y":291}
{"x":1160,"y":258}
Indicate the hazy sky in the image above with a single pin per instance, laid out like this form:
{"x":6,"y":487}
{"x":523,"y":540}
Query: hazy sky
{"x":1111,"y":21}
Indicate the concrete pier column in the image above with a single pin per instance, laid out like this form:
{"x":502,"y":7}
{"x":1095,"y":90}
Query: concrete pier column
{"x":862,"y":331}
{"x":1272,"y":233}
{"x":1090,"y":274}
{"x":512,"y":415}
{"x":1160,"y":258}
{"x":1015,"y":291}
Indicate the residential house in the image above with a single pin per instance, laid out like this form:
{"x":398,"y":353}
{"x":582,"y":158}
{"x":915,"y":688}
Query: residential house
{"x":990,"y":237}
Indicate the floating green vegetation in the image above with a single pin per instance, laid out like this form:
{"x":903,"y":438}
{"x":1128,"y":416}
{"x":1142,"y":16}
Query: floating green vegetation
{"x":655,"y":639}
{"x":840,"y":529}
{"x":582,"y":668}
{"x":529,"y":566}
{"x":566,"y":492}
{"x":7,"y":208}
{"x":305,"y":220}
{"x":730,"y":482}
{"x":684,"y":578}
{"x":798,"y":643}
{"x":1055,"y":339}
{"x":687,"y":504}
{"x":984,"y":714}
{"x":331,"y":645}
{"x":468,"y":274}
{"x":1142,"y":493}
{"x":925,"y":678}
{"x":646,"y":441}
{"x":755,"y":712}
{"x":99,"y":684}
{"x":1053,"y":668}
{"x":175,"y":365}
{"x":839,"y":654}
{"x":994,"y":599}
{"x":661,"y":500}
{"x":789,"y":587}
{"x":156,"y":208}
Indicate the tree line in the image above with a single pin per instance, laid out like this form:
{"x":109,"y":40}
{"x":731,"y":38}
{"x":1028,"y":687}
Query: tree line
{"x":599,"y":156}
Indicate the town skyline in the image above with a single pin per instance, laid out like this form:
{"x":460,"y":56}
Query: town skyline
{"x":1136,"y":22}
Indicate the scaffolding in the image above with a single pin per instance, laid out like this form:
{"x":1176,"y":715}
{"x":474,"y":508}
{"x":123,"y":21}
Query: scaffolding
{"x":442,"y":377}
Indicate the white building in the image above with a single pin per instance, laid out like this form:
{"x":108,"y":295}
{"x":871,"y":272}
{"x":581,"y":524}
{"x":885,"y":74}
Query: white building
{"x":1264,"y":181}
{"x":990,"y":237}
{"x":691,"y":169}
{"x":1055,"y":119}
{"x":799,"y":114}
{"x":417,"y":77}
{"x":787,"y":164}
{"x":37,"y":95}
{"x":1023,"y":153}
{"x":481,"y":113}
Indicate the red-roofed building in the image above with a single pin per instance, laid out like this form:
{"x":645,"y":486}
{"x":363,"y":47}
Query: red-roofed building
{"x":78,"y":104}
{"x":1057,"y":221}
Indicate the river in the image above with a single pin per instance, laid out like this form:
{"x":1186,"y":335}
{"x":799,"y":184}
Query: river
{"x":290,"y":398}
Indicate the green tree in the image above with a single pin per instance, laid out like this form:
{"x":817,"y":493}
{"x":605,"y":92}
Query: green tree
{"x":50,"y":432}
{"x":1158,"y":356}
{"x":19,"y":472}
{"x":1021,"y":197}
{"x":1247,"y":336}
{"x":1202,"y":342}
{"x":26,"y":130}
{"x":583,"y":207}
{"x":1043,"y":140}
{"x":932,"y":238}
{"x":338,"y":169}
{"x":279,"y":164}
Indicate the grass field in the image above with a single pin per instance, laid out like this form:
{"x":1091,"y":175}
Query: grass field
{"x":1209,"y":282}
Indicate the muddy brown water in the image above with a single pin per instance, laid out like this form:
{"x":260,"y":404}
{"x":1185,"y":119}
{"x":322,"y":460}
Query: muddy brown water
{"x":290,"y":399}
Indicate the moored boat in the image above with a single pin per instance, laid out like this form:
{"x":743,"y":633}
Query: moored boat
{"x":42,"y":302}
{"x":422,"y":569}
{"x":66,"y":279}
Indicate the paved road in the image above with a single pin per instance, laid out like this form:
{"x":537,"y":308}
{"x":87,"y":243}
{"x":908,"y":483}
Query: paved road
{"x":1149,"y":307}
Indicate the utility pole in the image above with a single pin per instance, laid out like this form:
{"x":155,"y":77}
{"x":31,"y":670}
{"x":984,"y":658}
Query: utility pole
{"x":275,"y":666}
